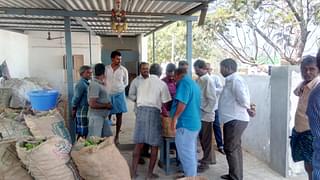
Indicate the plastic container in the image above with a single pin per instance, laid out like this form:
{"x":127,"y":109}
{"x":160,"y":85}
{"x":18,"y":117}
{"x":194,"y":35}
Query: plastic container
{"x":43,"y":100}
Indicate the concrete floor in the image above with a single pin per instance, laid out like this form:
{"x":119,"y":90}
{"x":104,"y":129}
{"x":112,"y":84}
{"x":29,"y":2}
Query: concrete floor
{"x":254,"y":169}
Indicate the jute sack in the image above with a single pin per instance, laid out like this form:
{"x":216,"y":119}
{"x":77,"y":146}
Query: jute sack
{"x":5,"y":95}
{"x":47,"y":161}
{"x":194,"y":178}
{"x":11,"y":130}
{"x":100,"y":162}
{"x":47,"y":124}
{"x":10,"y":165}
{"x":20,"y":88}
{"x":166,"y":128}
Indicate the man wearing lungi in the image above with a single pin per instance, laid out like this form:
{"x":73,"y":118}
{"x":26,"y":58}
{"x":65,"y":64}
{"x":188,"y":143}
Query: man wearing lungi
{"x":117,"y":80}
{"x":144,"y":74}
{"x":80,"y":102}
{"x":152,"y":93}
{"x":301,"y":138}
{"x":185,"y":112}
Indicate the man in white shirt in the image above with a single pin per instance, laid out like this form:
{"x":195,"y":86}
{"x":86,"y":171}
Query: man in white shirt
{"x":234,"y":109}
{"x":144,"y":74}
{"x":208,"y":102}
{"x":152,"y":93}
{"x":216,"y":122}
{"x":117,"y":80}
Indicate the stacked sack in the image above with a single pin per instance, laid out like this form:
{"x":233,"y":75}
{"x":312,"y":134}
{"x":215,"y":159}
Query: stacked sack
{"x":47,"y":159}
{"x":19,"y":88}
{"x":47,"y":155}
{"x":38,"y":145}
{"x":12,"y":129}
{"x":11,"y":167}
{"x":12,"y":126}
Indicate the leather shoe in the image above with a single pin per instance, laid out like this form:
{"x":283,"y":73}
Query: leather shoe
{"x":226,"y":176}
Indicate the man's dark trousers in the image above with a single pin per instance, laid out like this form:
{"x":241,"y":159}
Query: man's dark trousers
{"x":217,"y":129}
{"x":232,"y":132}
{"x":205,"y":136}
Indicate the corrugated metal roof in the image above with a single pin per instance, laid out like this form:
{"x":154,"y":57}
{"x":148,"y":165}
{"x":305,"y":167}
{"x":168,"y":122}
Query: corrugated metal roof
{"x":143,"y":16}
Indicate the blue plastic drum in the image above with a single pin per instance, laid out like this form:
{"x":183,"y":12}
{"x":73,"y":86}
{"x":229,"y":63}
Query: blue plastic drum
{"x":43,"y":100}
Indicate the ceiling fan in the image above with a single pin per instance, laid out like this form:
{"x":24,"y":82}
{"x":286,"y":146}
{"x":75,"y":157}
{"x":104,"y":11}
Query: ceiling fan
{"x":52,"y":38}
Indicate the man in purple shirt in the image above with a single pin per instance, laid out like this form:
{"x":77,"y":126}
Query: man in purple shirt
{"x":171,"y":83}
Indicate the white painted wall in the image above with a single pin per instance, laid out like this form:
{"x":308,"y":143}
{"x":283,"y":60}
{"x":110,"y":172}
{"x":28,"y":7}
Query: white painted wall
{"x":14,"y":49}
{"x":46,"y":57}
{"x":256,"y":138}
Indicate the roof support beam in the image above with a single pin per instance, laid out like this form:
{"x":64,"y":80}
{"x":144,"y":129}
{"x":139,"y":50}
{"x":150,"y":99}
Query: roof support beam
{"x":190,"y":12}
{"x":35,"y":24}
{"x":181,"y":18}
{"x":47,"y":12}
{"x":64,"y":5}
{"x":173,"y":19}
{"x":34,"y":19}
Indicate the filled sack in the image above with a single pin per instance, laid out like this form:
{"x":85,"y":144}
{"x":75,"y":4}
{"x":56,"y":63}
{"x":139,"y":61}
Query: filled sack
{"x":47,"y":124}
{"x":20,"y":88}
{"x":10,"y":166}
{"x":99,"y":159}
{"x":47,"y":159}
{"x":166,"y":128}
{"x":12,"y":130}
{"x":5,"y":95}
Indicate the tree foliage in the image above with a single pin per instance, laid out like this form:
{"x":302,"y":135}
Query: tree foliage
{"x":282,"y":24}
{"x":252,"y":31}
{"x":170,"y":44}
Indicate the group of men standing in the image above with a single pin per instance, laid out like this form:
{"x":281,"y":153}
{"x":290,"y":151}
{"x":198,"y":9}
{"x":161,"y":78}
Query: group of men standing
{"x":93,"y":103}
{"x":196,"y":107}
{"x":193,"y":107}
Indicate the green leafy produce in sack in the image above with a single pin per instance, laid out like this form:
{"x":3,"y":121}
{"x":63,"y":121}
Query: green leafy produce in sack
{"x":32,"y":145}
{"x":92,"y":142}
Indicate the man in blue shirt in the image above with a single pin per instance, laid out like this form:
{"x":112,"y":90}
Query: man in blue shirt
{"x":185,"y":112}
{"x":314,"y":123}
{"x":80,"y":102}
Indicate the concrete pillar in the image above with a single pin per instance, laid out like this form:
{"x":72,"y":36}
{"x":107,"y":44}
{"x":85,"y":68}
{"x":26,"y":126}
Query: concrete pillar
{"x":67,"y":25}
{"x":189,"y":46}
{"x":283,"y":105}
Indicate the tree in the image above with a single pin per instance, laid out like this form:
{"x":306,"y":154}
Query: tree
{"x":170,"y":44}
{"x":249,"y":28}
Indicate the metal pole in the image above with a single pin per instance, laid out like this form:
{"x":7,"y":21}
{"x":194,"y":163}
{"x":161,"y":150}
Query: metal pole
{"x":153,"y":48}
{"x":189,"y":46}
{"x":90,"y":48}
{"x":69,"y":63}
